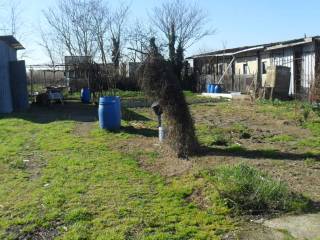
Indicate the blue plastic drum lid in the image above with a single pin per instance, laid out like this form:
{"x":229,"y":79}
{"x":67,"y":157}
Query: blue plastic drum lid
{"x":109,"y":100}
{"x":110,"y":113}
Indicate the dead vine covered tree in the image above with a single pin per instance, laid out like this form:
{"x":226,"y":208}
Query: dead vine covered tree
{"x":160,"y":83}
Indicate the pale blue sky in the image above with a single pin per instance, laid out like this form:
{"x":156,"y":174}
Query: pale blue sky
{"x":237,"y":22}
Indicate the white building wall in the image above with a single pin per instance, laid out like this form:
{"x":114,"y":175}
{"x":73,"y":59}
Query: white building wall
{"x":252,"y":63}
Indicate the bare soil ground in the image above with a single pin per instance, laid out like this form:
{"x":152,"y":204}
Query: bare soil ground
{"x":267,"y":147}
{"x":283,"y":160}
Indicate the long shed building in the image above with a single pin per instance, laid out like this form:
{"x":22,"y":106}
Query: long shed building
{"x":239,"y":68}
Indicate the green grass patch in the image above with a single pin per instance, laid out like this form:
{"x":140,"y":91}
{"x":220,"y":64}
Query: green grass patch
{"x":309,"y":162}
{"x":314,"y":127}
{"x":86,"y":190}
{"x":213,"y":136}
{"x":242,"y":130}
{"x":281,"y":138}
{"x":245,"y":189}
{"x":312,"y":142}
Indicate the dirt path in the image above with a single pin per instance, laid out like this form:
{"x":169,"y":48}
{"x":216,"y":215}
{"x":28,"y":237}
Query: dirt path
{"x":82,"y":129}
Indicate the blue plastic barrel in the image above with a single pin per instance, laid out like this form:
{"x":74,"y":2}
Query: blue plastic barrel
{"x":212,"y":88}
{"x":217,"y":89}
{"x":109,"y":113}
{"x":208,"y":88}
{"x":85,"y":95}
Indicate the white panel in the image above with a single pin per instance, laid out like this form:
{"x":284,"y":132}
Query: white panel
{"x":307,"y":71}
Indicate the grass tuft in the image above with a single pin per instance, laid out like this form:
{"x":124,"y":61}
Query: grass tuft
{"x":245,"y":189}
{"x":281,"y":138}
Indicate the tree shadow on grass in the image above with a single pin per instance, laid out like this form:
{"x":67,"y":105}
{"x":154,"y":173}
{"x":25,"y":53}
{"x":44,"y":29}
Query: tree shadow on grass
{"x":146,"y":132}
{"x":71,"y":110}
{"x":130,"y":115}
{"x":255,"y":154}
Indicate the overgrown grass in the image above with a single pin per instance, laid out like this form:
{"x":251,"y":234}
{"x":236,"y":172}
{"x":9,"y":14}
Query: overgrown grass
{"x":245,"y":189}
{"x":302,"y":114}
{"x":210,"y":135}
{"x":242,"y":130}
{"x":85,"y":190}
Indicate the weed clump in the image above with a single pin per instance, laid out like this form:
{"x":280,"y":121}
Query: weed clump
{"x":246,"y":190}
{"x":161,"y":84}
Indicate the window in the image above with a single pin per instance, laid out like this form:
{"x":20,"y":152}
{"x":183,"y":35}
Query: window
{"x":264,"y":67}
{"x":245,"y":69}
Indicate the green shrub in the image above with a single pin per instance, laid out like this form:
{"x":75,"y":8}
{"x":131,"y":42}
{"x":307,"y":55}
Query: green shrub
{"x":245,"y":189}
{"x":306,"y":110}
{"x":242,"y":130}
{"x":213,"y":135}
{"x":220,"y":140}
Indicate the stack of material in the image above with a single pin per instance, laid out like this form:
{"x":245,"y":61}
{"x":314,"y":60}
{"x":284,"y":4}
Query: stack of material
{"x":277,"y":81}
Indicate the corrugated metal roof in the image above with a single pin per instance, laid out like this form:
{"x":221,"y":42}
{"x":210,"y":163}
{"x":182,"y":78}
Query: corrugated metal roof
{"x":290,"y":44}
{"x":12,"y":42}
{"x":268,"y":46}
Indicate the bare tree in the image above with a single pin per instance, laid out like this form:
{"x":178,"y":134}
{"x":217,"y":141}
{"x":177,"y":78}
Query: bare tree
{"x":12,"y":22}
{"x":182,"y":23}
{"x":117,"y":29}
{"x":52,"y":46}
{"x":11,"y":17}
{"x":72,"y":21}
{"x":100,"y":28}
{"x":138,"y":41}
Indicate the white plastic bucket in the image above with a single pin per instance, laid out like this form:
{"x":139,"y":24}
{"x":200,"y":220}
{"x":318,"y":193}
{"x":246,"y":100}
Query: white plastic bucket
{"x":161,"y":134}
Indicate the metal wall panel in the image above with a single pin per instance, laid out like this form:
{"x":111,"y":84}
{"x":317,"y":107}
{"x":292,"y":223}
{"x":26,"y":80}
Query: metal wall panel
{"x":19,"y":91}
{"x":308,"y":66}
{"x":5,"y":90}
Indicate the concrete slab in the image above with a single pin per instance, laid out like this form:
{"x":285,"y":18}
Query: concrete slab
{"x":300,"y":227}
{"x":221,"y":95}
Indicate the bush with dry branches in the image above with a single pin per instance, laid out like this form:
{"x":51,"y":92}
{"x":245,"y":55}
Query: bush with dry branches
{"x":160,"y":83}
